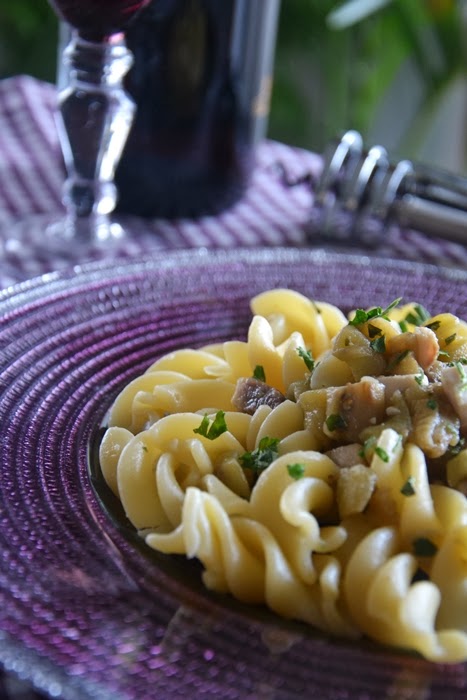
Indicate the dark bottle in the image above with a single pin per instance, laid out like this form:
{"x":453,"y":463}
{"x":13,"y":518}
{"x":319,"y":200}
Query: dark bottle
{"x":201,"y":82}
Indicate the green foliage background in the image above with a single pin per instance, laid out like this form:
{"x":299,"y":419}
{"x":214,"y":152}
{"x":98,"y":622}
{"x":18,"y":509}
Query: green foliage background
{"x":328,"y":77}
{"x":28,"y":39}
{"x":333,"y":76}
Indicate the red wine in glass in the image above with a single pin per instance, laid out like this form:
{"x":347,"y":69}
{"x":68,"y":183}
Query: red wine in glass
{"x":96,"y":18}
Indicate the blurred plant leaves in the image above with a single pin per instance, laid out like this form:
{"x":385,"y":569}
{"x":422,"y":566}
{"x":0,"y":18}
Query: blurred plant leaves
{"x":24,"y":16}
{"x":353,"y":11}
{"x":28,"y":30}
{"x":338,"y":61}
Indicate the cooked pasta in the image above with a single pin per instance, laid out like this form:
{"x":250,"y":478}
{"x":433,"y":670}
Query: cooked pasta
{"x":317,"y":467}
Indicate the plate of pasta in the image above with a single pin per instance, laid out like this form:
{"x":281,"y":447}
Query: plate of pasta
{"x":236,"y":474}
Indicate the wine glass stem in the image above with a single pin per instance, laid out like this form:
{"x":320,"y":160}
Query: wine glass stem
{"x":95,"y":116}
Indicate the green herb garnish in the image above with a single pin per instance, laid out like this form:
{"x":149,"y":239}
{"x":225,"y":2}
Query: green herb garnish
{"x":379,"y":344}
{"x":433,"y":326}
{"x":260,"y":458}
{"x":420,"y":377}
{"x":362,"y":316}
{"x":382,"y":454}
{"x":432,"y":404}
{"x":408,"y":488}
{"x":367,"y":446}
{"x":462,"y":373}
{"x":296,"y":471}
{"x":450,"y":339}
{"x":423,"y":547}
{"x":397,"y":360}
{"x":373,"y":331}
{"x":212,"y":430}
{"x":335,"y":422}
{"x":418,"y":316}
{"x":259,"y":373}
{"x":455,"y":449}
{"x":307,"y":358}
{"x":391,"y":306}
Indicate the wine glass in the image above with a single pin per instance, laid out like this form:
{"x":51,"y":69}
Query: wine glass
{"x":93,"y":120}
{"x":95,"y":113}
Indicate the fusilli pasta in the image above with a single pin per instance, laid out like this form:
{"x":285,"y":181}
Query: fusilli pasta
{"x":317,"y":467}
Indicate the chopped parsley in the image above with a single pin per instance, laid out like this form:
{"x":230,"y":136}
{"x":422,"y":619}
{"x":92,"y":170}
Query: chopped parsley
{"x":307,"y":358}
{"x":418,"y":316}
{"x":423,"y":547}
{"x":432,"y":404}
{"x":259,"y":459}
{"x":212,"y":430}
{"x":379,"y":344}
{"x":450,"y":339}
{"x":433,"y":326}
{"x":408,"y":488}
{"x":462,"y":373}
{"x":397,"y":360}
{"x":335,"y":422}
{"x":296,"y":471}
{"x":259,"y":373}
{"x":420,"y":377}
{"x":362,"y":316}
{"x":373,"y":331}
{"x":455,"y":449}
{"x":382,"y":454}
{"x":367,"y":447}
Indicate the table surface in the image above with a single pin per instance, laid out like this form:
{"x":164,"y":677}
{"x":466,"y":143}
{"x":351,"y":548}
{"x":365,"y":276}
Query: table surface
{"x":275,"y":211}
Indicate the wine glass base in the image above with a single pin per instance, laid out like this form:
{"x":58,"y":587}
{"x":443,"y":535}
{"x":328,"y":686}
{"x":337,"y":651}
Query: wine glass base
{"x":94,"y":230}
{"x":44,"y":243}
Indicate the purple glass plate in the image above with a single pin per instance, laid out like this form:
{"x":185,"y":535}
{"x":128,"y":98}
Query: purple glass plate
{"x":86,"y":611}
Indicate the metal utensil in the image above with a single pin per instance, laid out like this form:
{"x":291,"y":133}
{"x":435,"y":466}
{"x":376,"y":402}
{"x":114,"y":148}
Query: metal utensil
{"x":361,"y":193}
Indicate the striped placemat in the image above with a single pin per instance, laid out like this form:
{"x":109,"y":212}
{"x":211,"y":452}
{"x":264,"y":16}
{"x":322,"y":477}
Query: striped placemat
{"x":274,"y":211}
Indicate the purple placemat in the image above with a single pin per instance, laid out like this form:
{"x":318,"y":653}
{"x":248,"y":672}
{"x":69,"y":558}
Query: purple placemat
{"x":275,"y":210}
